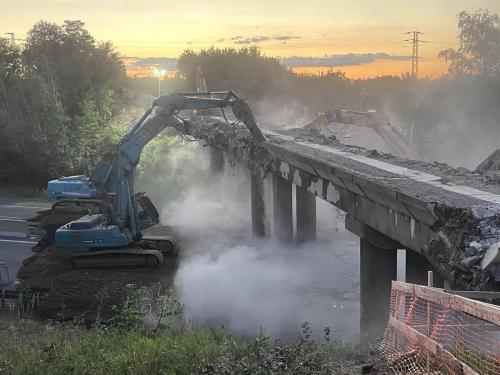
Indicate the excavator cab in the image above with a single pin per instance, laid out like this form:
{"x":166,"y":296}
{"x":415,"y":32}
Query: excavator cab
{"x":71,"y":187}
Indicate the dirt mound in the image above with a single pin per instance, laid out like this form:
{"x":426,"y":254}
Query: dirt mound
{"x":83,"y":293}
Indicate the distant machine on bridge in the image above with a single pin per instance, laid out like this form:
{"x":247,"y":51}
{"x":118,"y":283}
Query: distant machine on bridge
{"x":337,"y":122}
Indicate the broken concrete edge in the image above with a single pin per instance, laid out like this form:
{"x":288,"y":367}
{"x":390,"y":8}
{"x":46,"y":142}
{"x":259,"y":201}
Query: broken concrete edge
{"x":491,"y":256}
{"x":460,"y":244}
{"x":459,"y":237}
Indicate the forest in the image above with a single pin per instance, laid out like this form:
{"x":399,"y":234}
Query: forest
{"x":65,"y":99}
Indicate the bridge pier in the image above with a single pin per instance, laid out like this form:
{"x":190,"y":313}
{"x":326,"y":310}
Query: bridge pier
{"x":378,"y":267}
{"x":417,"y":266}
{"x":282,"y":209}
{"x":216,"y":160}
{"x":258,"y":206}
{"x":306,"y":215}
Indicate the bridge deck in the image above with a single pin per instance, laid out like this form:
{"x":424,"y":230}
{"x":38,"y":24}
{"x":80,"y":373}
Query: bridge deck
{"x":427,"y":182}
{"x":430,"y":208}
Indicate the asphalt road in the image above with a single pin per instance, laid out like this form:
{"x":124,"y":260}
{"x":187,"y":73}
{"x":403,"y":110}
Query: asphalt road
{"x":15,"y":241}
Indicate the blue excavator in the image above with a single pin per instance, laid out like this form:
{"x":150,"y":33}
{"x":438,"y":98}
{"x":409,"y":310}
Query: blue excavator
{"x":110,"y":234}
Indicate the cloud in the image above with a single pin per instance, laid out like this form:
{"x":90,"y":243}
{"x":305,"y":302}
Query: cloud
{"x":239,"y":39}
{"x":286,"y":37}
{"x":255,"y":39}
{"x":349,"y":59}
{"x":169,"y":63}
{"x":340,"y":60}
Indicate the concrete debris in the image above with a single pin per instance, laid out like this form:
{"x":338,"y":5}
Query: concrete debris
{"x":469,"y":255}
{"x":468,"y":262}
{"x":492,"y":255}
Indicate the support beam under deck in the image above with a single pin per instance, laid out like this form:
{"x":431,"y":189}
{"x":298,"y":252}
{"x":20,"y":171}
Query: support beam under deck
{"x":282,"y":210}
{"x":306,"y":215}
{"x":258,"y":206}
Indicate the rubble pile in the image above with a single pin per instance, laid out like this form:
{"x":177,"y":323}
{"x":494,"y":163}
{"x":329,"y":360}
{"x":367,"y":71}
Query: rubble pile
{"x":236,"y":139}
{"x":466,"y":248}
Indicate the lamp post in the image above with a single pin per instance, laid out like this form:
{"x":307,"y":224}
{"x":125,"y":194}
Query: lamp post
{"x":160,"y":73}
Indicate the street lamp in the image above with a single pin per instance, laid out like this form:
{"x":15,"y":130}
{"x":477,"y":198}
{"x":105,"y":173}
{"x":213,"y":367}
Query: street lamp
{"x":160,"y":73}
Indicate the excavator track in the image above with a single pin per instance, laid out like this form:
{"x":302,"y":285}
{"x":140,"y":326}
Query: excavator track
{"x":114,"y":258}
{"x":164,"y":244}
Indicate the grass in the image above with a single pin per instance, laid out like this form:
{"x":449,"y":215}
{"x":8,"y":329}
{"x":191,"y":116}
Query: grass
{"x":71,"y":350}
{"x":29,"y":348}
{"x":483,"y":364}
{"x":150,"y":336}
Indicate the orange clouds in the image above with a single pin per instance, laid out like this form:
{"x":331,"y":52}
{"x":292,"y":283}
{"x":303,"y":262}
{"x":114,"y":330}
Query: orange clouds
{"x":428,"y":69}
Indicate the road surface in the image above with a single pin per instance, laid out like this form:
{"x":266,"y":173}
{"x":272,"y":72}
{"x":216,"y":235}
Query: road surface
{"x":15,"y":241}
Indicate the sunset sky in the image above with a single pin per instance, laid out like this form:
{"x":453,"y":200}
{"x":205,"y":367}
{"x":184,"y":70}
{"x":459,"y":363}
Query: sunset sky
{"x":364,"y":38}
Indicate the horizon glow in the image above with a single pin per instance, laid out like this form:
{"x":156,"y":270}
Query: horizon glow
{"x":280,"y":28}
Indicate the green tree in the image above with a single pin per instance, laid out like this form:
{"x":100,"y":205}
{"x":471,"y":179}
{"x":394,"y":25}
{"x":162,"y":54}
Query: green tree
{"x":264,"y":79}
{"x":33,"y":127}
{"x":58,"y":97}
{"x":479,"y":45}
{"x":246,"y":71}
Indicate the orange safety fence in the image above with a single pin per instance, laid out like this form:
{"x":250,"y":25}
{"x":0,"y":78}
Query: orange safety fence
{"x":434,"y":332}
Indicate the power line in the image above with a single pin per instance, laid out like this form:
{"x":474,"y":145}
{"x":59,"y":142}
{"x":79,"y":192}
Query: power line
{"x":415,"y":40}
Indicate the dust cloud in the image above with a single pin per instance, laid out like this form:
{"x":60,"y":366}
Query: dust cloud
{"x":227,"y":277}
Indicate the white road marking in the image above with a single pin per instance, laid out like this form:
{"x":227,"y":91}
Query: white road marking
{"x":412,"y":174}
{"x":13,"y":234}
{"x":6,"y":218}
{"x":16,"y":206}
{"x":17,"y":241}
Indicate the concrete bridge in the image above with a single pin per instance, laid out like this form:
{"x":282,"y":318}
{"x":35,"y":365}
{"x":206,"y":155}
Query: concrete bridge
{"x":447,"y":219}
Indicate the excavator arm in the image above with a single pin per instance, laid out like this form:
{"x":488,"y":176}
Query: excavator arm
{"x":163,"y":115}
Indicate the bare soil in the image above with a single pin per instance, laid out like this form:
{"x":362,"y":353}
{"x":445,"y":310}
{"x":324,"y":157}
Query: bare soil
{"x":67,"y":293}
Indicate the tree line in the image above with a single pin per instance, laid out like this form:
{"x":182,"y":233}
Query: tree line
{"x":58,"y":96}
{"x":63,"y":95}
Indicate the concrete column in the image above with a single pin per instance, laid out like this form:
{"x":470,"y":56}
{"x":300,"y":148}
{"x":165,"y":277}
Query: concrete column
{"x":417,"y":266}
{"x":306,"y":215}
{"x":216,"y":160}
{"x":257,"y":203}
{"x":282,"y":209}
{"x":377,"y":269}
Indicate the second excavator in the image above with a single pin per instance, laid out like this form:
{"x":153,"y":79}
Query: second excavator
{"x":377,"y":121}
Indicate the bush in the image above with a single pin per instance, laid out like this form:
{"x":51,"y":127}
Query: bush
{"x":150,"y":337}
